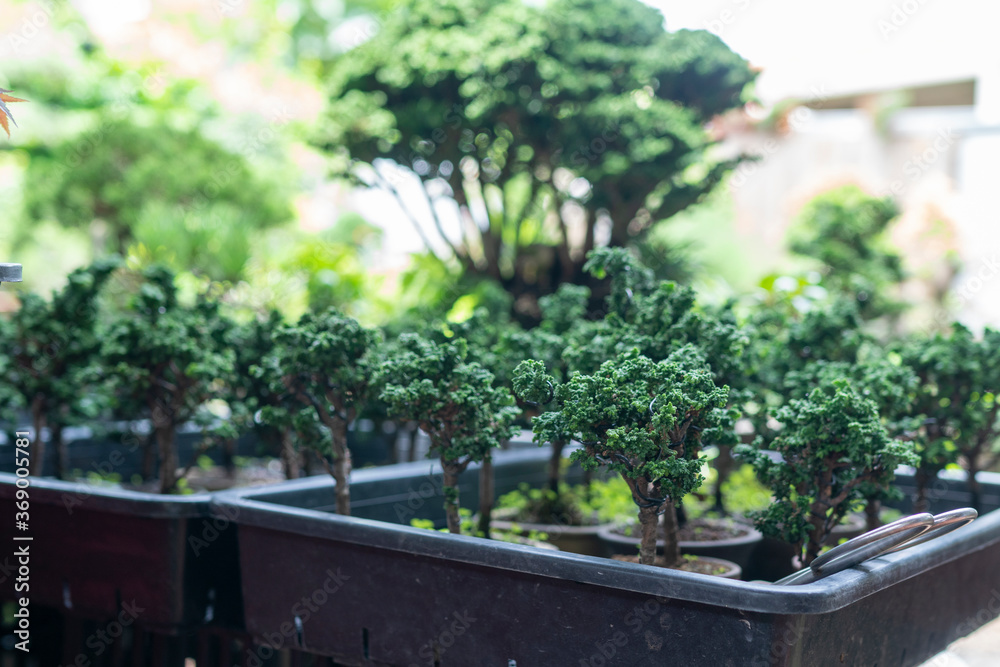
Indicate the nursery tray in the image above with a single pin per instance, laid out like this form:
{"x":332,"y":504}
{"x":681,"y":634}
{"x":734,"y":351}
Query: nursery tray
{"x":96,"y":551}
{"x":368,"y":592}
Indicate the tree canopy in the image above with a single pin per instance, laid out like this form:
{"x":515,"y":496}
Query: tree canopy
{"x":536,"y":133}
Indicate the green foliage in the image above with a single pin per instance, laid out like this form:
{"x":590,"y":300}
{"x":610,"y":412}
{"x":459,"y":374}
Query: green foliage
{"x":602,"y":501}
{"x":191,"y":201}
{"x":845,"y":231}
{"x":530,"y":110}
{"x":453,"y":400}
{"x":643,"y":419}
{"x":167,"y":358}
{"x":832,"y":443}
{"x":956,"y":398}
{"x":50,"y":362}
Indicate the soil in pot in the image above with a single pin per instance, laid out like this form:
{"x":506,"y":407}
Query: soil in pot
{"x":714,"y":538}
{"x":717,"y":567}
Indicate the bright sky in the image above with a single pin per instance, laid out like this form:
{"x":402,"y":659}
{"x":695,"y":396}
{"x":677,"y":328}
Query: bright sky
{"x":848,"y":45}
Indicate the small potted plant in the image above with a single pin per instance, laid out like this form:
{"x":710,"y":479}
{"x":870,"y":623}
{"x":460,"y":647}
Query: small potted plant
{"x":958,"y":404}
{"x":52,"y":347}
{"x":645,"y":420}
{"x":832,"y":444}
{"x":455,"y":403}
{"x":167,"y":358}
{"x":324,"y":363}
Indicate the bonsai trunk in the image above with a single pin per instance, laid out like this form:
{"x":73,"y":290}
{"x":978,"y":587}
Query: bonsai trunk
{"x":975,"y":490}
{"x":289,"y":457}
{"x":413,"y":442}
{"x":149,"y":456}
{"x":647,"y":545}
{"x":922,"y":478}
{"x":451,"y":469}
{"x":671,"y":544}
{"x":37,"y":463}
{"x":486,"y":496}
{"x":341,"y":467}
{"x":62,"y":452}
{"x":818,"y":531}
{"x":872,"y":509}
{"x":724,"y":465}
{"x":555,"y":465}
{"x":168,"y":457}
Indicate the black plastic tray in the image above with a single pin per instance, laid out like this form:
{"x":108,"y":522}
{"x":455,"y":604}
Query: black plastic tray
{"x":373,"y":593}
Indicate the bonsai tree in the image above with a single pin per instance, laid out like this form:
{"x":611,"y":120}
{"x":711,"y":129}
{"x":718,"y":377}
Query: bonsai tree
{"x":832,"y":443}
{"x":454,"y":401}
{"x":256,"y":393}
{"x":644,"y":420}
{"x":51,"y":348}
{"x":845,"y":231}
{"x":883,"y":379}
{"x":326,"y":362}
{"x":957,"y":400}
{"x":167,"y":357}
{"x":528,"y":117}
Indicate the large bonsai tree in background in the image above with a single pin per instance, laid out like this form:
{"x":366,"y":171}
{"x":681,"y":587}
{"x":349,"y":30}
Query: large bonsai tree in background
{"x":535,"y":133}
{"x":834,"y":449}
{"x":643,"y":419}
{"x":51,"y":348}
{"x":168,"y":358}
{"x":454,"y":401}
{"x":326,"y":362}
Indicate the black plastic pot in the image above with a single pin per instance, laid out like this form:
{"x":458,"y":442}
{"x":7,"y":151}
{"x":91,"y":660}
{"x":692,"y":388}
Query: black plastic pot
{"x":94,"y":550}
{"x":371,"y":593}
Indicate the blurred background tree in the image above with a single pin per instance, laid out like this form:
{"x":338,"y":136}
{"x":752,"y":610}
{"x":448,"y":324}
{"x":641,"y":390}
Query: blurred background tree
{"x":533,"y":134}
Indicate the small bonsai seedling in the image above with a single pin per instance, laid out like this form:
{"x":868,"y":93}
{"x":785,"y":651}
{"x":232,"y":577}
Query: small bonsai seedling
{"x":958,"y":400}
{"x":52,"y":348}
{"x":326,"y":361}
{"x":455,"y":403}
{"x":832,"y":444}
{"x":643,"y":419}
{"x":169,"y":358}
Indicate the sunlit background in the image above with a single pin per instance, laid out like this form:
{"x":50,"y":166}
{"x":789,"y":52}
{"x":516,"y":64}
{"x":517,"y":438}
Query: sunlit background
{"x":899,"y":98}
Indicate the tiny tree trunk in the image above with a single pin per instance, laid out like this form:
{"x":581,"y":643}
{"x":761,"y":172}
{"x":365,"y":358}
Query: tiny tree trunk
{"x":818,"y":533}
{"x":229,"y":457}
{"x":342,"y":467}
{"x":975,"y":490}
{"x":724,"y":465}
{"x":671,"y":544}
{"x":289,"y":457}
{"x":647,"y":546}
{"x":168,"y":457}
{"x":872,"y":509}
{"x":920,"y":503}
{"x":149,"y":456}
{"x":451,"y":470}
{"x":413,"y":431}
{"x":555,"y":465}
{"x":587,"y":476}
{"x":62,"y":452}
{"x":486,"y":496}
{"x":37,"y":463}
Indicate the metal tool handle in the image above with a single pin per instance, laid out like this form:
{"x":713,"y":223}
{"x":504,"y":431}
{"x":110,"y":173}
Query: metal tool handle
{"x":10,"y":273}
{"x":900,"y":534}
